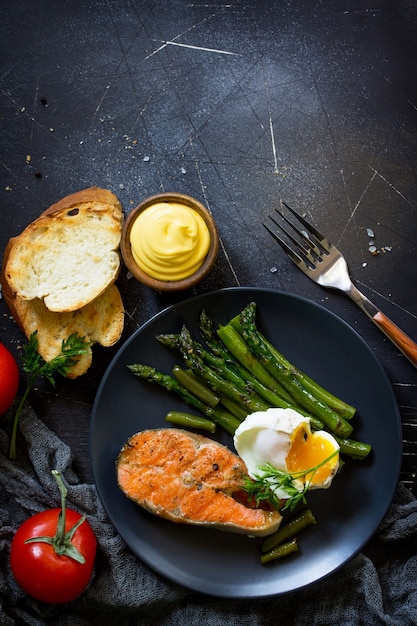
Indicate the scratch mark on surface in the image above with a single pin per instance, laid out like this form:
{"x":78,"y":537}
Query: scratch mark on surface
{"x":358,"y":238}
{"x":410,"y":102}
{"x":101,"y":100}
{"x":271,"y":126}
{"x":392,"y":186}
{"x":229,"y":262}
{"x":405,"y":385}
{"x":203,"y":191}
{"x":374,"y":175}
{"x":164,"y":45}
{"x":274,"y":149}
{"x":184,"y":45}
{"x":155,"y":51}
{"x":357,"y":205}
{"x":143,"y":109}
{"x":351,"y":217}
{"x":374,"y":11}
{"x":381,"y":295}
{"x":122,"y":61}
{"x":132,"y":314}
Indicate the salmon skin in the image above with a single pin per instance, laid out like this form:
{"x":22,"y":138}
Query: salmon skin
{"x":190,"y":479}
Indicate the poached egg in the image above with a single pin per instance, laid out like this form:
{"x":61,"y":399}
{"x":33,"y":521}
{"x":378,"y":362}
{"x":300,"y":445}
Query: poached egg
{"x":283,"y":439}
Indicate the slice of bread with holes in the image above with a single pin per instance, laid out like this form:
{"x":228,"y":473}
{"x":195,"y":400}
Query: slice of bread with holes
{"x":69,"y":255}
{"x":101,"y":319}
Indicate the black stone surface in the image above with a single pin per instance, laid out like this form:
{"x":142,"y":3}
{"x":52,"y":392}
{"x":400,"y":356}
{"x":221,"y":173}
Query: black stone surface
{"x":238,"y":104}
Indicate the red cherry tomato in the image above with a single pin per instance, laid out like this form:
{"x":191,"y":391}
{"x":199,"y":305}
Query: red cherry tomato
{"x":40,"y":569}
{"x":9,"y":379}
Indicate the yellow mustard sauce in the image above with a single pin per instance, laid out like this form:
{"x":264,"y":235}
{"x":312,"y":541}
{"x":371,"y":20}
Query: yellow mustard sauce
{"x":169,"y":241}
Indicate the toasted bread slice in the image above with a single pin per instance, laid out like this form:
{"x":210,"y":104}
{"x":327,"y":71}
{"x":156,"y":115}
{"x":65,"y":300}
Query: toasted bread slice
{"x":101,"y":321}
{"x":190,"y":479}
{"x":69,"y":255}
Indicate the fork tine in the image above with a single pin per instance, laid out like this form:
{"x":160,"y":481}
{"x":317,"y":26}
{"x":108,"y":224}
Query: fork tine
{"x":313,"y":244}
{"x":306,"y":252}
{"x":324,"y":242}
{"x":311,"y":251}
{"x":298,"y":260}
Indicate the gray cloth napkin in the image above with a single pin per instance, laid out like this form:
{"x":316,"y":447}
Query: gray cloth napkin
{"x":378,"y":586}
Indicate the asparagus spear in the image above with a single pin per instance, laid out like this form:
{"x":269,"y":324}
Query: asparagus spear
{"x":237,"y":404}
{"x":281,"y":551}
{"x":237,"y":346}
{"x":301,"y":395}
{"x":246,"y":397}
{"x":221,"y":417}
{"x":217,"y":363}
{"x":355,"y":449}
{"x":288,"y":530}
{"x":344,"y":409}
{"x":197,"y":387}
{"x":186,"y":420}
{"x":277,"y":396}
{"x":194,"y":386}
{"x":175,"y":341}
{"x":234,"y":407}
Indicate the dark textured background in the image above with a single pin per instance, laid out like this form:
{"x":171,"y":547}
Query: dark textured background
{"x":238,"y":104}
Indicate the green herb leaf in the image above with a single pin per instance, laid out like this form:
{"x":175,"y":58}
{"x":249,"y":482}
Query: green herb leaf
{"x":35,"y":367}
{"x":71,"y":348}
{"x":263,"y":485}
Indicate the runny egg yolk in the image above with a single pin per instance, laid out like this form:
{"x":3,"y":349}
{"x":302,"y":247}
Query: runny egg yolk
{"x":283,"y":439}
{"x":308,"y":451}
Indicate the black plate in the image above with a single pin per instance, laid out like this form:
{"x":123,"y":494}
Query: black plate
{"x":226,"y":564}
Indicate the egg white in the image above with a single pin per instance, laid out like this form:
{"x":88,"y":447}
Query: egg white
{"x":266,"y":437}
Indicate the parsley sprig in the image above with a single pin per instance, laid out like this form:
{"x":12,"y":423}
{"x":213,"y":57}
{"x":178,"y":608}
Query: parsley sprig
{"x":35,"y":367}
{"x":263,"y":485}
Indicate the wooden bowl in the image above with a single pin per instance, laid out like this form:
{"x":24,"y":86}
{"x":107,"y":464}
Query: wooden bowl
{"x":168,"y":285}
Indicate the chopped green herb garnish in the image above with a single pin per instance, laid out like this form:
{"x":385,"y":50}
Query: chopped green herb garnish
{"x":263,"y":485}
{"x":35,"y":367}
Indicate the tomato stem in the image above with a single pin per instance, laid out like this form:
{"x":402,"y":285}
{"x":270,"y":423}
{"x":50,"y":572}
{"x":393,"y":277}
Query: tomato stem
{"x":60,"y":529}
{"x":61,"y":541}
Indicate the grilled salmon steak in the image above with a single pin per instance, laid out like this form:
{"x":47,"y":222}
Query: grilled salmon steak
{"x":190,"y":479}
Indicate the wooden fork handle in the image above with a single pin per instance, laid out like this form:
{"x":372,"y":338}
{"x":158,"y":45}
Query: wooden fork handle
{"x":407,"y":346}
{"x":398,"y":337}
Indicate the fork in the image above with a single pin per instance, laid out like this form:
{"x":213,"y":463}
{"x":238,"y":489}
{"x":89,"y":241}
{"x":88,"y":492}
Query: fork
{"x":325,"y":265}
